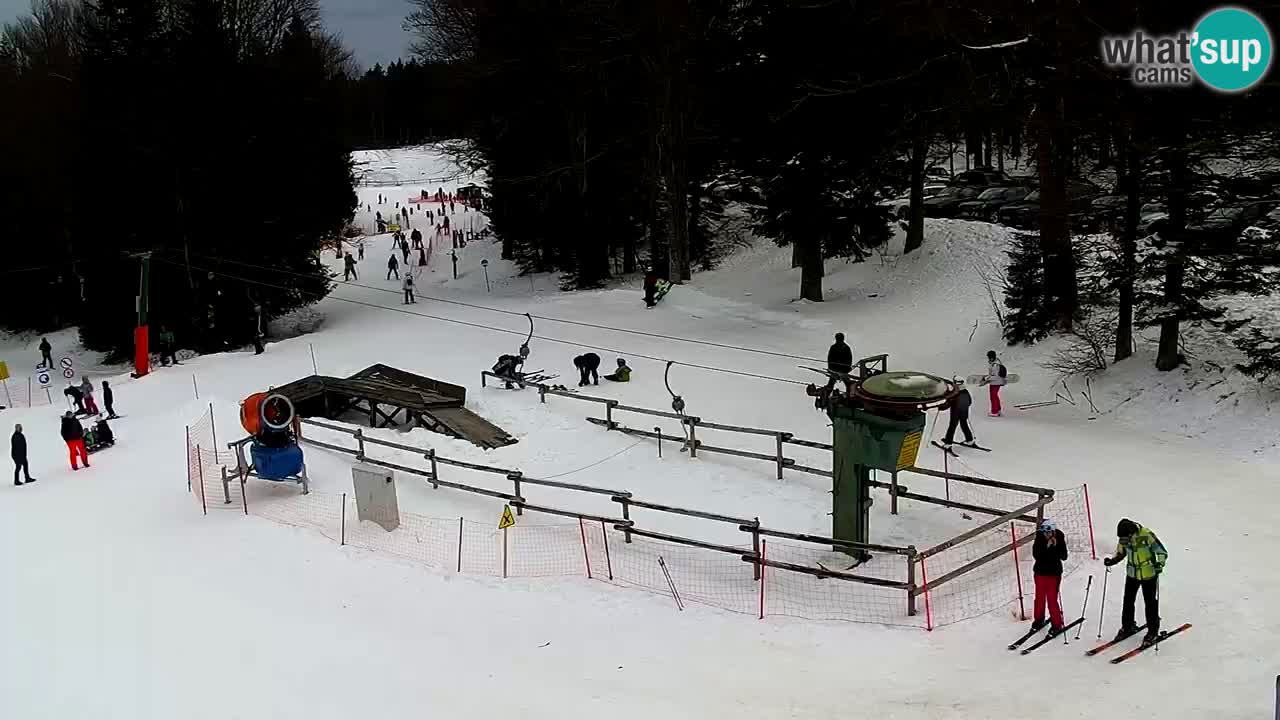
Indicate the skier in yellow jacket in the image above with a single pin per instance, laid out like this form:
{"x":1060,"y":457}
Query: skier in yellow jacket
{"x":1146,"y":555}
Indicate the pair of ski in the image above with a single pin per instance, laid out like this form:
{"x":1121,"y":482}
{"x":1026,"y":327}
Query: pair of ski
{"x":1044,"y":640}
{"x":1104,"y":646}
{"x":951,"y":451}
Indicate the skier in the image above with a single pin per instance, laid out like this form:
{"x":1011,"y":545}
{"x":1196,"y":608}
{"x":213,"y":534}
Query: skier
{"x":1147,"y":556}
{"x":1049,"y":550}
{"x":958,"y":407}
{"x":997,"y":376}
{"x":166,"y":347}
{"x":349,"y":272}
{"x":46,"y":359}
{"x":622,"y":374}
{"x":508,"y":366}
{"x":73,"y":435}
{"x":407,"y":286}
{"x":422,"y":257}
{"x":404,"y":249}
{"x":393,"y":267}
{"x":73,"y":392}
{"x":416,"y":236}
{"x":108,"y":401}
{"x":360,"y":250}
{"x":86,"y":389}
{"x":18,"y":451}
{"x":839,"y":360}
{"x":650,"y":287}
{"x":588,"y":367}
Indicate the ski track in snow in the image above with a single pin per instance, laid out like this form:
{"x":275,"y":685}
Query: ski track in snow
{"x":121,"y":601}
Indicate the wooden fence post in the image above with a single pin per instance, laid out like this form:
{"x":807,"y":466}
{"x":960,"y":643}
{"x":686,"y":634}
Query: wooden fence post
{"x":626,"y":515}
{"x":515,"y":482}
{"x":764,"y":546}
{"x":435,"y":470}
{"x":780,"y":458}
{"x":911,"y":580}
{"x":1017,"y":570}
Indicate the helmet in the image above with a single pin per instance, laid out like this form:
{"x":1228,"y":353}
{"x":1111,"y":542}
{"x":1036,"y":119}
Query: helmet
{"x":958,"y":380}
{"x":1047,"y":525}
{"x":1126,"y":527}
{"x":621,"y":362}
{"x":991,"y":354}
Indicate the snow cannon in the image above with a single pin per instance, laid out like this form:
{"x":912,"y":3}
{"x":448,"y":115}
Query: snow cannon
{"x":272,"y":422}
{"x":877,"y":424}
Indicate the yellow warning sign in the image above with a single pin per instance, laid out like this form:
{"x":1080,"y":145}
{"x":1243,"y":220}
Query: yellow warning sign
{"x":507,"y":519}
{"x":4,"y":371}
{"x":910,"y":448}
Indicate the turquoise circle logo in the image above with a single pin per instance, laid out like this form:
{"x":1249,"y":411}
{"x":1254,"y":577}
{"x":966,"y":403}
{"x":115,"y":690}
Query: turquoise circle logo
{"x":1232,"y":49}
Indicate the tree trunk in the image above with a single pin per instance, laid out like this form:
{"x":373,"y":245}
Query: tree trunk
{"x":811,"y":270}
{"x":915,"y":210}
{"x":1054,"y":155}
{"x":628,"y":254}
{"x":795,"y":255}
{"x":1132,"y":188}
{"x":1168,"y":357}
{"x":1000,"y":151}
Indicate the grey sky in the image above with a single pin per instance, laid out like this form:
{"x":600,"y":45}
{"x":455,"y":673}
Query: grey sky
{"x":371,"y":28}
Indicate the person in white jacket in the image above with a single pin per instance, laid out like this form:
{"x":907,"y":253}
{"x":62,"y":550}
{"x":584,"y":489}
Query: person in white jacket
{"x":996,"y":378}
{"x":407,"y":284}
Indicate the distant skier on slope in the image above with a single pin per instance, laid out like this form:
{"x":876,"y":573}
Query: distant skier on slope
{"x":46,"y":359}
{"x":407,"y":286}
{"x":997,"y":377}
{"x":1147,"y":556}
{"x":958,"y":408}
{"x":588,"y":365}
{"x":1049,"y":550}
{"x":349,"y":271}
{"x":508,"y":368}
{"x":393,"y":267}
{"x":839,"y":359}
{"x":416,"y":237}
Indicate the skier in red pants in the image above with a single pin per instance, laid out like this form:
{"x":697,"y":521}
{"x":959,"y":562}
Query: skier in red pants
{"x":997,"y":377}
{"x":1049,"y":551}
{"x":73,"y":434}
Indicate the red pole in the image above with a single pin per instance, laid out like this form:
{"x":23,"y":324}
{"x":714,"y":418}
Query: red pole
{"x":587,"y":558}
{"x":764,"y":545}
{"x":608,"y":562}
{"x":459,"y":544}
{"x":200,"y":468}
{"x":188,"y":458}
{"x":1093,"y":549}
{"x":928,"y":609}
{"x":1022,"y":608}
{"x":213,"y":428}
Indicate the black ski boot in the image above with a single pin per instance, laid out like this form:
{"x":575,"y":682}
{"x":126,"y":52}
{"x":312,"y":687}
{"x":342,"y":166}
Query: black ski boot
{"x":1150,"y":638}
{"x":1125,"y":632}
{"x":1037,"y":624}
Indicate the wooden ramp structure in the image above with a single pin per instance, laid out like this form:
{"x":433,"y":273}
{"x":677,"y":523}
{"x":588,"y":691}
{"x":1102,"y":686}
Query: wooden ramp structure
{"x":392,"y":397}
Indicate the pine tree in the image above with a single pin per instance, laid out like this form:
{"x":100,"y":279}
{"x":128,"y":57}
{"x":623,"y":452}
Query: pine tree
{"x":1030,"y":317}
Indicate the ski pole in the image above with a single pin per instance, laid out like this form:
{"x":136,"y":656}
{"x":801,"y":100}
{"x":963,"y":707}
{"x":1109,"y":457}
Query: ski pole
{"x":1083,"y":610}
{"x":1102,"y":611}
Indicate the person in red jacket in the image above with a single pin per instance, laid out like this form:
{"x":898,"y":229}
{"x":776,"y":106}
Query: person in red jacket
{"x":73,"y":435}
{"x":1049,"y":551}
{"x":650,"y":287}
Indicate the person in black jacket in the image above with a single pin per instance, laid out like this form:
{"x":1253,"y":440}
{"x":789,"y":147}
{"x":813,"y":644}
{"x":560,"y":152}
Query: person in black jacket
{"x":588,"y":368}
{"x":46,"y":358}
{"x":108,"y":401}
{"x":839,"y":359}
{"x":959,"y":414}
{"x":18,"y":451}
{"x":1049,"y":551}
{"x":73,"y":435}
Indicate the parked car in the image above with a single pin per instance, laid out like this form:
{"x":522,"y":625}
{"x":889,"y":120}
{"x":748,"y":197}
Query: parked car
{"x":937,"y":175}
{"x":901,"y":205}
{"x":1026,"y":214}
{"x":982,"y":177}
{"x":947,"y":202}
{"x":989,"y":201}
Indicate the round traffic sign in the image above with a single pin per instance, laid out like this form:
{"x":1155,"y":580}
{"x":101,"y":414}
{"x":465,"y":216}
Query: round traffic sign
{"x":68,"y":373}
{"x":43,"y":378}
{"x":65,"y":362}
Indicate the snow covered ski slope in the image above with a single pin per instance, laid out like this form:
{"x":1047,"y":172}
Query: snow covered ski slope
{"x":120,"y":600}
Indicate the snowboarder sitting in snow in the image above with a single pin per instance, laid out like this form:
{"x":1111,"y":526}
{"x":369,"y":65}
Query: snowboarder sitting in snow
{"x":959,"y":414}
{"x":622,"y":374}
{"x":508,"y":366}
{"x":588,"y":367}
{"x":1147,"y":556}
{"x":1049,"y":551}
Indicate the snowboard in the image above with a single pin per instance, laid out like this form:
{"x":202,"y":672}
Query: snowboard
{"x":661,"y":289}
{"x":1011,"y":379}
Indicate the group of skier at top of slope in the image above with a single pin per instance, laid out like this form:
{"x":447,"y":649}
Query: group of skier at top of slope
{"x":1145,"y":553}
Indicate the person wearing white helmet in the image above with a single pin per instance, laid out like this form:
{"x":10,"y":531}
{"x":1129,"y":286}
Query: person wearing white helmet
{"x":1049,"y":551}
{"x":959,"y":414}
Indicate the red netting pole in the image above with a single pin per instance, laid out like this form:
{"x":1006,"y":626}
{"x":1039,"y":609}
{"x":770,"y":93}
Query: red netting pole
{"x":1022,"y":608}
{"x":585,"y":557}
{"x":213,"y":428}
{"x":1093,"y":549}
{"x":764,"y":546}
{"x":928,"y":609}
{"x":459,"y":544}
{"x":607,"y":560}
{"x":188,"y":458}
{"x":200,"y":469}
